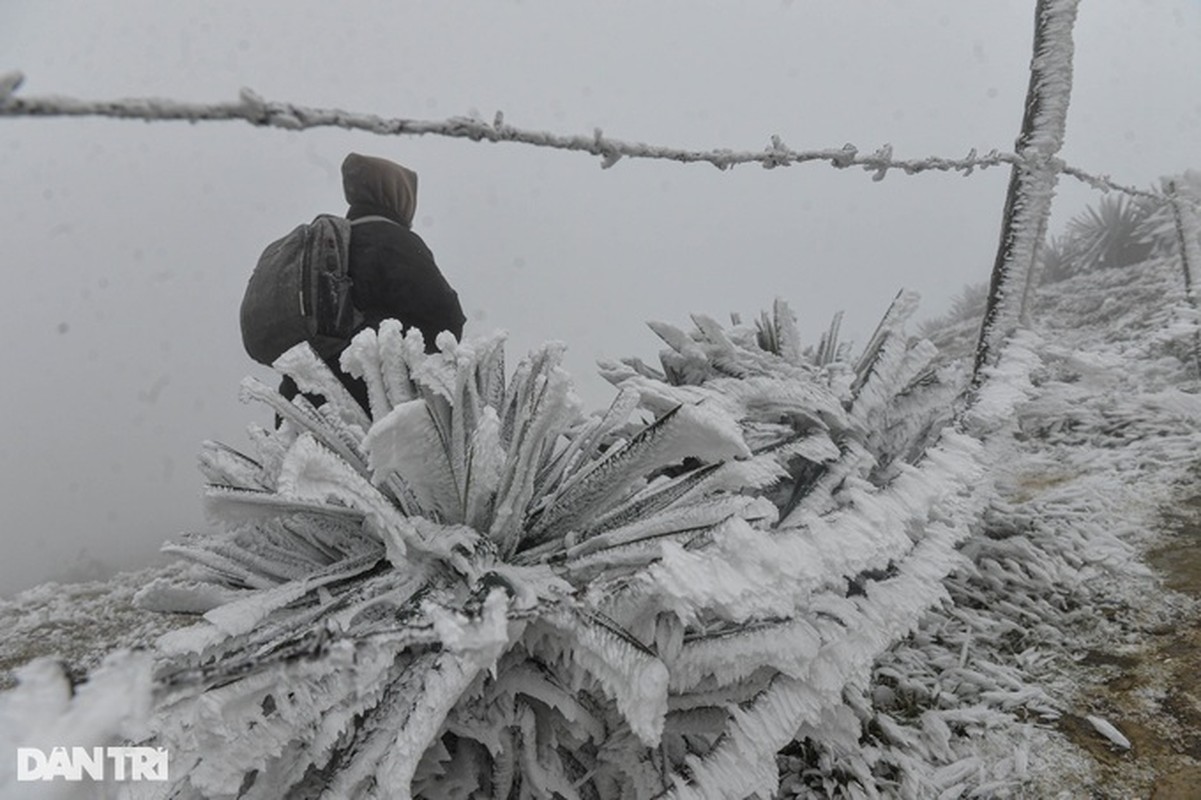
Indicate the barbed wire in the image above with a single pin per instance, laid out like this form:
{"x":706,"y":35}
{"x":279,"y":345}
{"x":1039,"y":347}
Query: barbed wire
{"x":251,"y":107}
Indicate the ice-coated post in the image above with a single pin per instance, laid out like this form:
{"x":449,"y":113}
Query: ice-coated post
{"x":1188,"y":234}
{"x":1032,"y":180}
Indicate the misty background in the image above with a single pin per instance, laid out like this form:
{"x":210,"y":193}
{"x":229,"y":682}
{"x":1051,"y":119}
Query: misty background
{"x":127,"y":245}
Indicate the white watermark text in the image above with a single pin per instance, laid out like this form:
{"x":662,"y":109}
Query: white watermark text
{"x":97,"y":763}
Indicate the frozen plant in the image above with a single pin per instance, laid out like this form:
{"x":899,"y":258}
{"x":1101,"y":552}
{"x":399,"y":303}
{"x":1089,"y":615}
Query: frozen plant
{"x":472,"y":589}
{"x":1113,"y":234}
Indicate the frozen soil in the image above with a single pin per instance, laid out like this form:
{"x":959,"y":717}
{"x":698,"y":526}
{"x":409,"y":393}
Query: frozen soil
{"x":1137,"y":664}
{"x":1149,"y":691}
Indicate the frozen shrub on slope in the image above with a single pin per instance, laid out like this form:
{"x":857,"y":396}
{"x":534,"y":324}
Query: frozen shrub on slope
{"x":1116,"y":233}
{"x":1123,"y":231}
{"x":474,"y":589}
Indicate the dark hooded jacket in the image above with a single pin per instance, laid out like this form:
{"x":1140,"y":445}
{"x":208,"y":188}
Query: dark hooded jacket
{"x":393,"y":271}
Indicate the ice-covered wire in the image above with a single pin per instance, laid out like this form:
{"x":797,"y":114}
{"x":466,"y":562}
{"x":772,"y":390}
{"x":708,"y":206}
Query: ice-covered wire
{"x":257,"y":110}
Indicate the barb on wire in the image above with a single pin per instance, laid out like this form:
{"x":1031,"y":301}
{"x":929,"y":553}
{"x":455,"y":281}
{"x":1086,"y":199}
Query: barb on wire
{"x":253,"y":108}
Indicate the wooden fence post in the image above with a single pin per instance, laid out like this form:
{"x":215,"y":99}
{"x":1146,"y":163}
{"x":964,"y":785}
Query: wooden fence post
{"x":1188,"y":231}
{"x":1031,"y":182}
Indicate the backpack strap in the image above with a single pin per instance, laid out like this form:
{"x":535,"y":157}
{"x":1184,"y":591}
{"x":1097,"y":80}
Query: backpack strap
{"x":374,"y":218}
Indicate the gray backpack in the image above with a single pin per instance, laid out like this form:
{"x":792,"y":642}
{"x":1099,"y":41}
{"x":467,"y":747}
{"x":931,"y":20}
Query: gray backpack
{"x":300,"y":292}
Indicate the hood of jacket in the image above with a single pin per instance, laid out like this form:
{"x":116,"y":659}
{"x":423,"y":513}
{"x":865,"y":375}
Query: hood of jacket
{"x":377,"y":186}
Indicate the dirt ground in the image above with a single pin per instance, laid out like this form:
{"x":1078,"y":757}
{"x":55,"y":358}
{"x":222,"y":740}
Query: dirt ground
{"x":1151,"y":693}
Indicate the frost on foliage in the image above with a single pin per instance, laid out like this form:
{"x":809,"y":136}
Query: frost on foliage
{"x":474,"y":589}
{"x":380,"y":579}
{"x":752,"y":567}
{"x":785,"y":615}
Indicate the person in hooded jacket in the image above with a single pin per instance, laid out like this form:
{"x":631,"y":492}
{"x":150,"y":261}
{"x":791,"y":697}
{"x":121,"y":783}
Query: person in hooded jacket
{"x":393,"y":271}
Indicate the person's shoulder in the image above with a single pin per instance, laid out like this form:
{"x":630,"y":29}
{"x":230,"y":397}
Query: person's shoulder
{"x":414,"y":239}
{"x":402,"y":242}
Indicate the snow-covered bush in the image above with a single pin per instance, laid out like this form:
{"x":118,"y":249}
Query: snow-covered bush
{"x":1118,"y":232}
{"x":1121,"y":231}
{"x":474,"y":589}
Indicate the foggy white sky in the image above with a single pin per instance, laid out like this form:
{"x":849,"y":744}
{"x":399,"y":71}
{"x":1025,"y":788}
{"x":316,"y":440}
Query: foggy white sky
{"x":127,"y":245}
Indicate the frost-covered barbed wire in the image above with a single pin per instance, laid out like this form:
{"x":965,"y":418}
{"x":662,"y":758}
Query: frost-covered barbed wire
{"x":256,"y":110}
{"x":251,"y":107}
